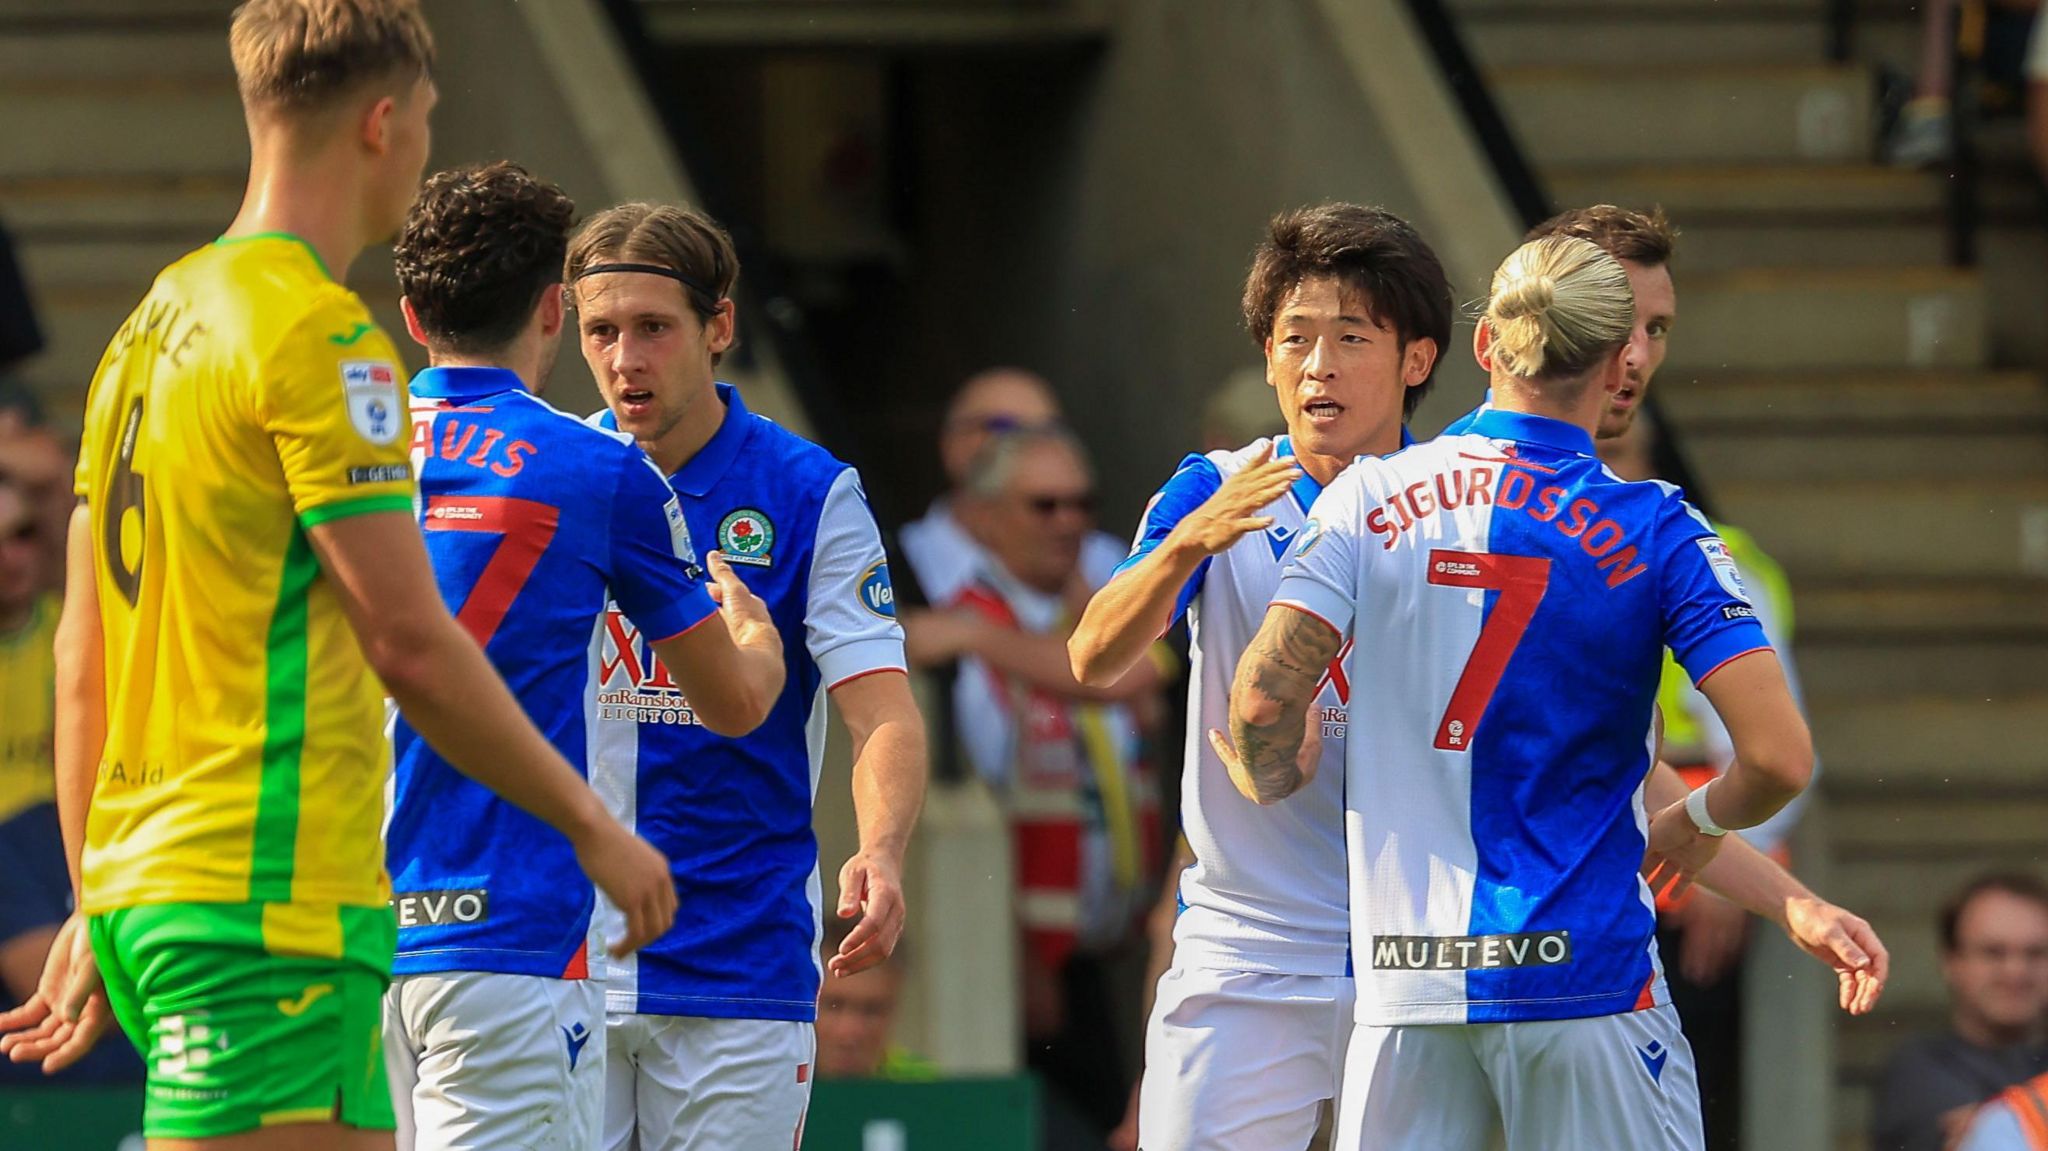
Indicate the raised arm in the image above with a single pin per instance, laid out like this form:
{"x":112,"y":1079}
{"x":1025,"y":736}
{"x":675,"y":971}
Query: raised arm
{"x":730,"y":667}
{"x":1135,"y":608}
{"x":1269,"y":700}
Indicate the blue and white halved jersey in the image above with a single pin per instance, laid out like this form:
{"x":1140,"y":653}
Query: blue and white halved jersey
{"x":534,"y":522}
{"x":1508,"y":600}
{"x":734,"y":815}
{"x":1266,"y":891}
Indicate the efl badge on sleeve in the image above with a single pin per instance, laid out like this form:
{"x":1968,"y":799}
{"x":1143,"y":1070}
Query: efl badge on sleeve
{"x":747,"y":537}
{"x":371,"y":389}
{"x":1724,"y":567}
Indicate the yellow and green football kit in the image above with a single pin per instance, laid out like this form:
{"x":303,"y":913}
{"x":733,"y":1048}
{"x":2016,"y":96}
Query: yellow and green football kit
{"x":232,"y":859}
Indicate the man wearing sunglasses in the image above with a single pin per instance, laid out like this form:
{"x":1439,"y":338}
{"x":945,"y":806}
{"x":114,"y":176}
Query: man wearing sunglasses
{"x":940,"y":547}
{"x":1062,"y":759}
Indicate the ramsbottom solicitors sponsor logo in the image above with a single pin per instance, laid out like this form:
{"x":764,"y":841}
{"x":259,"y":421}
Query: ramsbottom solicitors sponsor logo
{"x":441,"y":908}
{"x":632,"y":683}
{"x":1471,"y":952}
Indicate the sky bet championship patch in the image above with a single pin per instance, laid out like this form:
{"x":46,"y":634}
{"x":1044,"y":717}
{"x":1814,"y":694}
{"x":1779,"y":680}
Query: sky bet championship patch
{"x":372,"y":390}
{"x":747,"y":537}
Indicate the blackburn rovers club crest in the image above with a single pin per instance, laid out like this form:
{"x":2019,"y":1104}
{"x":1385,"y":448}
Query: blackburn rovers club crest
{"x":747,"y":537}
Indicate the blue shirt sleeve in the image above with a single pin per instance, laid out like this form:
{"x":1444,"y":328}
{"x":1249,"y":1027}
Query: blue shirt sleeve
{"x":654,"y":574}
{"x":1192,"y":483}
{"x":1708,"y":619}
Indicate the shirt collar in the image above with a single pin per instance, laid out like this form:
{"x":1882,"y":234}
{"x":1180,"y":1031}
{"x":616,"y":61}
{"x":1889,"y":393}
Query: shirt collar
{"x":702,"y":471}
{"x":465,"y":383}
{"x":1306,"y":489}
{"x":1522,"y":427}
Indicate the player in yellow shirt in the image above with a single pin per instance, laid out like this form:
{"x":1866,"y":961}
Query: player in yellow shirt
{"x":244,"y":569}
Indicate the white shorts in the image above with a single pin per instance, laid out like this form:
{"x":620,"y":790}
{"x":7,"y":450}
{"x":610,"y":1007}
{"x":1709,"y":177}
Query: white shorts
{"x":1613,"y":1081}
{"x":1241,"y":1060}
{"x":676,"y":1081}
{"x":487,"y":1061}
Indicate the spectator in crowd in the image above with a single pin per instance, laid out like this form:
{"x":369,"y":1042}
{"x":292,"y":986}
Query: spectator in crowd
{"x":857,"y":1017}
{"x":940,"y":548}
{"x":2015,"y":1121}
{"x":1240,"y":411}
{"x":35,"y":461}
{"x":1994,"y":958}
{"x":1991,"y":33}
{"x":1702,"y":936}
{"x":35,"y":889}
{"x":1062,"y":758}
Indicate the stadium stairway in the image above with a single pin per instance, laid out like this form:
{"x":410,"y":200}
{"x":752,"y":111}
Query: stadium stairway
{"x":1877,"y":419}
{"x":97,"y":204}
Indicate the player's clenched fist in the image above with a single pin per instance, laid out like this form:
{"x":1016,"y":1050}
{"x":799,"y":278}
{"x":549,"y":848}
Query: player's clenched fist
{"x":1233,"y":511}
{"x":635,"y":877}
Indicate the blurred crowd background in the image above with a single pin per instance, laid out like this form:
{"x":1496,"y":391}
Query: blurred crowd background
{"x":991,"y":253}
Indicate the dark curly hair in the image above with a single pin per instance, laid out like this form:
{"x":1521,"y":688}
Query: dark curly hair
{"x":1645,"y":238}
{"x":1369,"y":251}
{"x":480,"y":245}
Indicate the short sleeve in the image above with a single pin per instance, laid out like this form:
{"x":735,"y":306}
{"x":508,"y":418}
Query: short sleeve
{"x":850,"y":612}
{"x":1321,"y":576}
{"x":332,"y":399}
{"x":1188,"y":488}
{"x":654,"y":573}
{"x":1708,"y":618}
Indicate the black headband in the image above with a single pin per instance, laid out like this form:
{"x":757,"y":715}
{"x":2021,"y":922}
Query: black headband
{"x":652,"y":270}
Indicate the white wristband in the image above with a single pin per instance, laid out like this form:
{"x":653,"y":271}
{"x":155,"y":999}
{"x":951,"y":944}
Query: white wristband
{"x":1696,"y":806}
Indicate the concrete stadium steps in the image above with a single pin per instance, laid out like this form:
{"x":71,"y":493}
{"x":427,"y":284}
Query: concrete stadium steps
{"x":902,"y":24}
{"x":173,"y":46}
{"x":1688,"y":113}
{"x":1948,"y":528}
{"x":1757,"y":32}
{"x":135,"y":203}
{"x":142,"y":124}
{"x":1866,"y":639}
{"x":1822,"y":401}
{"x":1794,"y":319}
{"x":1924,"y":743}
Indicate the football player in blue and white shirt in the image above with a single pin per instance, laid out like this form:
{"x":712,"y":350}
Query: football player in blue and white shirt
{"x":1508,"y":601}
{"x":710,"y":1032}
{"x":534,"y":522}
{"x":1247,"y":1035}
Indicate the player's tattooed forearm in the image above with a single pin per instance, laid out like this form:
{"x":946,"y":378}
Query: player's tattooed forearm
{"x":1276,"y":681}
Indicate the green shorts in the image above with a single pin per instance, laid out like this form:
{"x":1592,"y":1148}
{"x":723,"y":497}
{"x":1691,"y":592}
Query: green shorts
{"x":237,"y":1038}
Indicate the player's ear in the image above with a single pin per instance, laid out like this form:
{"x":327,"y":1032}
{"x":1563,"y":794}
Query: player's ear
{"x":553,"y":309}
{"x":413,"y":327}
{"x":1482,"y":345}
{"x":719,"y":328}
{"x":1417,"y":359}
{"x":375,"y":127}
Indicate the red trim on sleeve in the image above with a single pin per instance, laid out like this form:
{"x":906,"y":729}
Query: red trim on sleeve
{"x":1334,"y":629}
{"x":687,"y":630}
{"x":864,"y":674}
{"x":1702,"y":681}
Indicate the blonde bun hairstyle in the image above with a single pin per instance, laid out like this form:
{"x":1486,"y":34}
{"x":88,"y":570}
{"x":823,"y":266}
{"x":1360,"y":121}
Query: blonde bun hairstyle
{"x":1558,"y":305}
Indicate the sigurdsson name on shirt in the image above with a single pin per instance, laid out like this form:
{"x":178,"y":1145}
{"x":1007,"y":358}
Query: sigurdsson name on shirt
{"x":1471,"y":952}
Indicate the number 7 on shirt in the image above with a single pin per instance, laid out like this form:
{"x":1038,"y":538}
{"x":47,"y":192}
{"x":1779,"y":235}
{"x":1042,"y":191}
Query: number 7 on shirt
{"x":526,"y":528}
{"x":1521,"y":582}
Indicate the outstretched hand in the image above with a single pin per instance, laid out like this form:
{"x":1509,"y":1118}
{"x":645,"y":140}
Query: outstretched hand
{"x":1232,"y":511}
